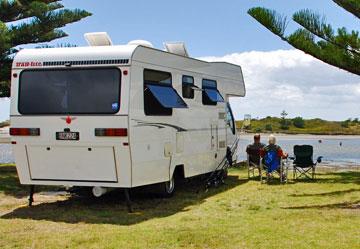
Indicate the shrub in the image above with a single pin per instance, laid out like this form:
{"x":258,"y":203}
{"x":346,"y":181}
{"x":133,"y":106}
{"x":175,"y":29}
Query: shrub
{"x":4,"y":123}
{"x":298,"y":122}
{"x":345,"y":124}
{"x":268,"y":127}
{"x":258,"y":130}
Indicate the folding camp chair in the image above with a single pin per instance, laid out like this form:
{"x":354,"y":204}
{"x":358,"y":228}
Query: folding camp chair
{"x":303,"y":162}
{"x":253,"y":161}
{"x":276,"y":165}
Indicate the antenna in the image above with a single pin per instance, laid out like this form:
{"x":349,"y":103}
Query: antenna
{"x":98,"y":39}
{"x":176,"y":48}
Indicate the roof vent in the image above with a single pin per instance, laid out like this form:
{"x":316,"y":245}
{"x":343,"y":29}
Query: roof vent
{"x":141,"y":43}
{"x":176,"y":48}
{"x":98,"y":39}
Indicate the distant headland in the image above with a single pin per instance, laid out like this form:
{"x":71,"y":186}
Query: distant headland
{"x":299,"y":125}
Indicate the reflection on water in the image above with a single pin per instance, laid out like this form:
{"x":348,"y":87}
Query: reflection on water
{"x":6,"y":155}
{"x":346,"y":154}
{"x":338,"y":150}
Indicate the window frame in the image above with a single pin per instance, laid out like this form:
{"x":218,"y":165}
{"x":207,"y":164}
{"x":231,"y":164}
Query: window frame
{"x":186,"y":84}
{"x":209,"y":102}
{"x":170,"y":110}
{"x":68,"y":69}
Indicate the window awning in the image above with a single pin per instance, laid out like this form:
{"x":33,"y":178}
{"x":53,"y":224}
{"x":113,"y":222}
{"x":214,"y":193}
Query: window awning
{"x":214,"y":95}
{"x":167,"y":96}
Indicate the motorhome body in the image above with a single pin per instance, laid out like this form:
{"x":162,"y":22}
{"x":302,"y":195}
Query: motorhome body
{"x":119,"y":116}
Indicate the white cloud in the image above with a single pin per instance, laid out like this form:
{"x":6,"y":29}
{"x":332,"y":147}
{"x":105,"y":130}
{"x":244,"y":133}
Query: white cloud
{"x":296,"y":82}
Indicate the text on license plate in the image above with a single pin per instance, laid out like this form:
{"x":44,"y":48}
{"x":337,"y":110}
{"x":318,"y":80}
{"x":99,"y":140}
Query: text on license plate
{"x":67,"y":135}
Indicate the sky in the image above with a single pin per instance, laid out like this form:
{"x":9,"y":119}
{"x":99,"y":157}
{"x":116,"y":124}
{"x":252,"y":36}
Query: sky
{"x":277,"y":76}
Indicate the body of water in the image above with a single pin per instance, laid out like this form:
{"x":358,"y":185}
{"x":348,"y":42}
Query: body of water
{"x":336,"y":150}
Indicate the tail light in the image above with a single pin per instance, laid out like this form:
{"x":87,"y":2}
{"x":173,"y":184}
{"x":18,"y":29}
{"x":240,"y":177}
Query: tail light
{"x":25,"y":131}
{"x":111,"y":132}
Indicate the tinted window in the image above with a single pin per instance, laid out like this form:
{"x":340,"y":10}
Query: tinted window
{"x":151,"y":105}
{"x":210,"y":94}
{"x":167,"y":96}
{"x":230,"y":118}
{"x":70,"y":91}
{"x":187,"y":84}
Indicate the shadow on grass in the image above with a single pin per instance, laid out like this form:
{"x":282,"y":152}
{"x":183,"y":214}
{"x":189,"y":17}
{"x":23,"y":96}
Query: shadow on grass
{"x":333,"y":193}
{"x":111,"y":208}
{"x":335,"y":177}
{"x":10,"y":185}
{"x":341,"y":205}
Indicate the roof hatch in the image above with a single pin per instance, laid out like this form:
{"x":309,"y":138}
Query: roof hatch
{"x":178,"y":48}
{"x":98,"y":39}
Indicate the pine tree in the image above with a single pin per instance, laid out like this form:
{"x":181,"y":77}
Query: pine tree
{"x":316,"y":37}
{"x":44,"y":18}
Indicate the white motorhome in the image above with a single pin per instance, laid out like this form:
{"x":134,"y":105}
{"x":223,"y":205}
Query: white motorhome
{"x":119,"y":116}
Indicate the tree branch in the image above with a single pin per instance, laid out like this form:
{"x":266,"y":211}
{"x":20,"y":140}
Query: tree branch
{"x":11,"y":11}
{"x":316,"y":24}
{"x":353,"y":6}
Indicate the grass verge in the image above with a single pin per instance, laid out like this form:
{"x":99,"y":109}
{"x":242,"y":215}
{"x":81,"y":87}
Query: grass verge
{"x":242,"y":213}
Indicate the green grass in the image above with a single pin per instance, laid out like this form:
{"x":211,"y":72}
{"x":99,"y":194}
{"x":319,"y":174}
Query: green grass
{"x":241,"y":214}
{"x":312,"y":126}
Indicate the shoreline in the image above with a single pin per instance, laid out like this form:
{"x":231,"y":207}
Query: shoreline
{"x":300,"y":135}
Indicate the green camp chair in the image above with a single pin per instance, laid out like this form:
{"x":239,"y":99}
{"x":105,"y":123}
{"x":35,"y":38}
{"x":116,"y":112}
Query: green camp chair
{"x":303,"y":162}
{"x":253,"y":161}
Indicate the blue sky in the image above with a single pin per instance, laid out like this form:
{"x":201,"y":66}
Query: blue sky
{"x":222,"y":30}
{"x":211,"y":28}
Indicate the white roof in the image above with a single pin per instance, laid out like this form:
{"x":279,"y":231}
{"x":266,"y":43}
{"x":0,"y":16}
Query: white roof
{"x":75,"y":54}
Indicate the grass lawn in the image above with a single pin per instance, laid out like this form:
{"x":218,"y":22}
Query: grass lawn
{"x":240,"y":214}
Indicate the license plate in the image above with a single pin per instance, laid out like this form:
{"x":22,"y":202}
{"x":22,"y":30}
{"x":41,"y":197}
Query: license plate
{"x":67,"y":135}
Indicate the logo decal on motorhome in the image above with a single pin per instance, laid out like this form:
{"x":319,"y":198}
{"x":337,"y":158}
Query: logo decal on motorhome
{"x":114,"y":106}
{"x":68,"y":119}
{"x":158,"y":125}
{"x":29,"y":64}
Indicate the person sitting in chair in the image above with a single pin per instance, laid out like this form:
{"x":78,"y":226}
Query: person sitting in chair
{"x":253,"y":150}
{"x":272,"y":154}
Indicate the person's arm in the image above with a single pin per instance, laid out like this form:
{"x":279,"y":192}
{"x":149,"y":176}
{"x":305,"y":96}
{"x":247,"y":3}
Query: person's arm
{"x":262,"y":152}
{"x":282,"y":154}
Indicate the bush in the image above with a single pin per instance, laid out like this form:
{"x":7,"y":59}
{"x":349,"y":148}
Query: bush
{"x":268,"y":127}
{"x":4,"y":123}
{"x":345,"y":124}
{"x":258,"y":130}
{"x":298,"y":122}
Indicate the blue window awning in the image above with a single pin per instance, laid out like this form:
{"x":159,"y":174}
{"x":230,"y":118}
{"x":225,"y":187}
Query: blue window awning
{"x":167,"y":96}
{"x":214,"y":95}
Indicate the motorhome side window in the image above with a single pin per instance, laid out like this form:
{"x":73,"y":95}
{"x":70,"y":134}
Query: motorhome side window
{"x":69,"y":91}
{"x":187,"y":84}
{"x":230,"y":118}
{"x":210,"y":94}
{"x":159,"y":95}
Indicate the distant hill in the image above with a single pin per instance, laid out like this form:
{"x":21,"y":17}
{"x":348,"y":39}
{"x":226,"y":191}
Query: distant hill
{"x":4,"y":123}
{"x":311,"y":126}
